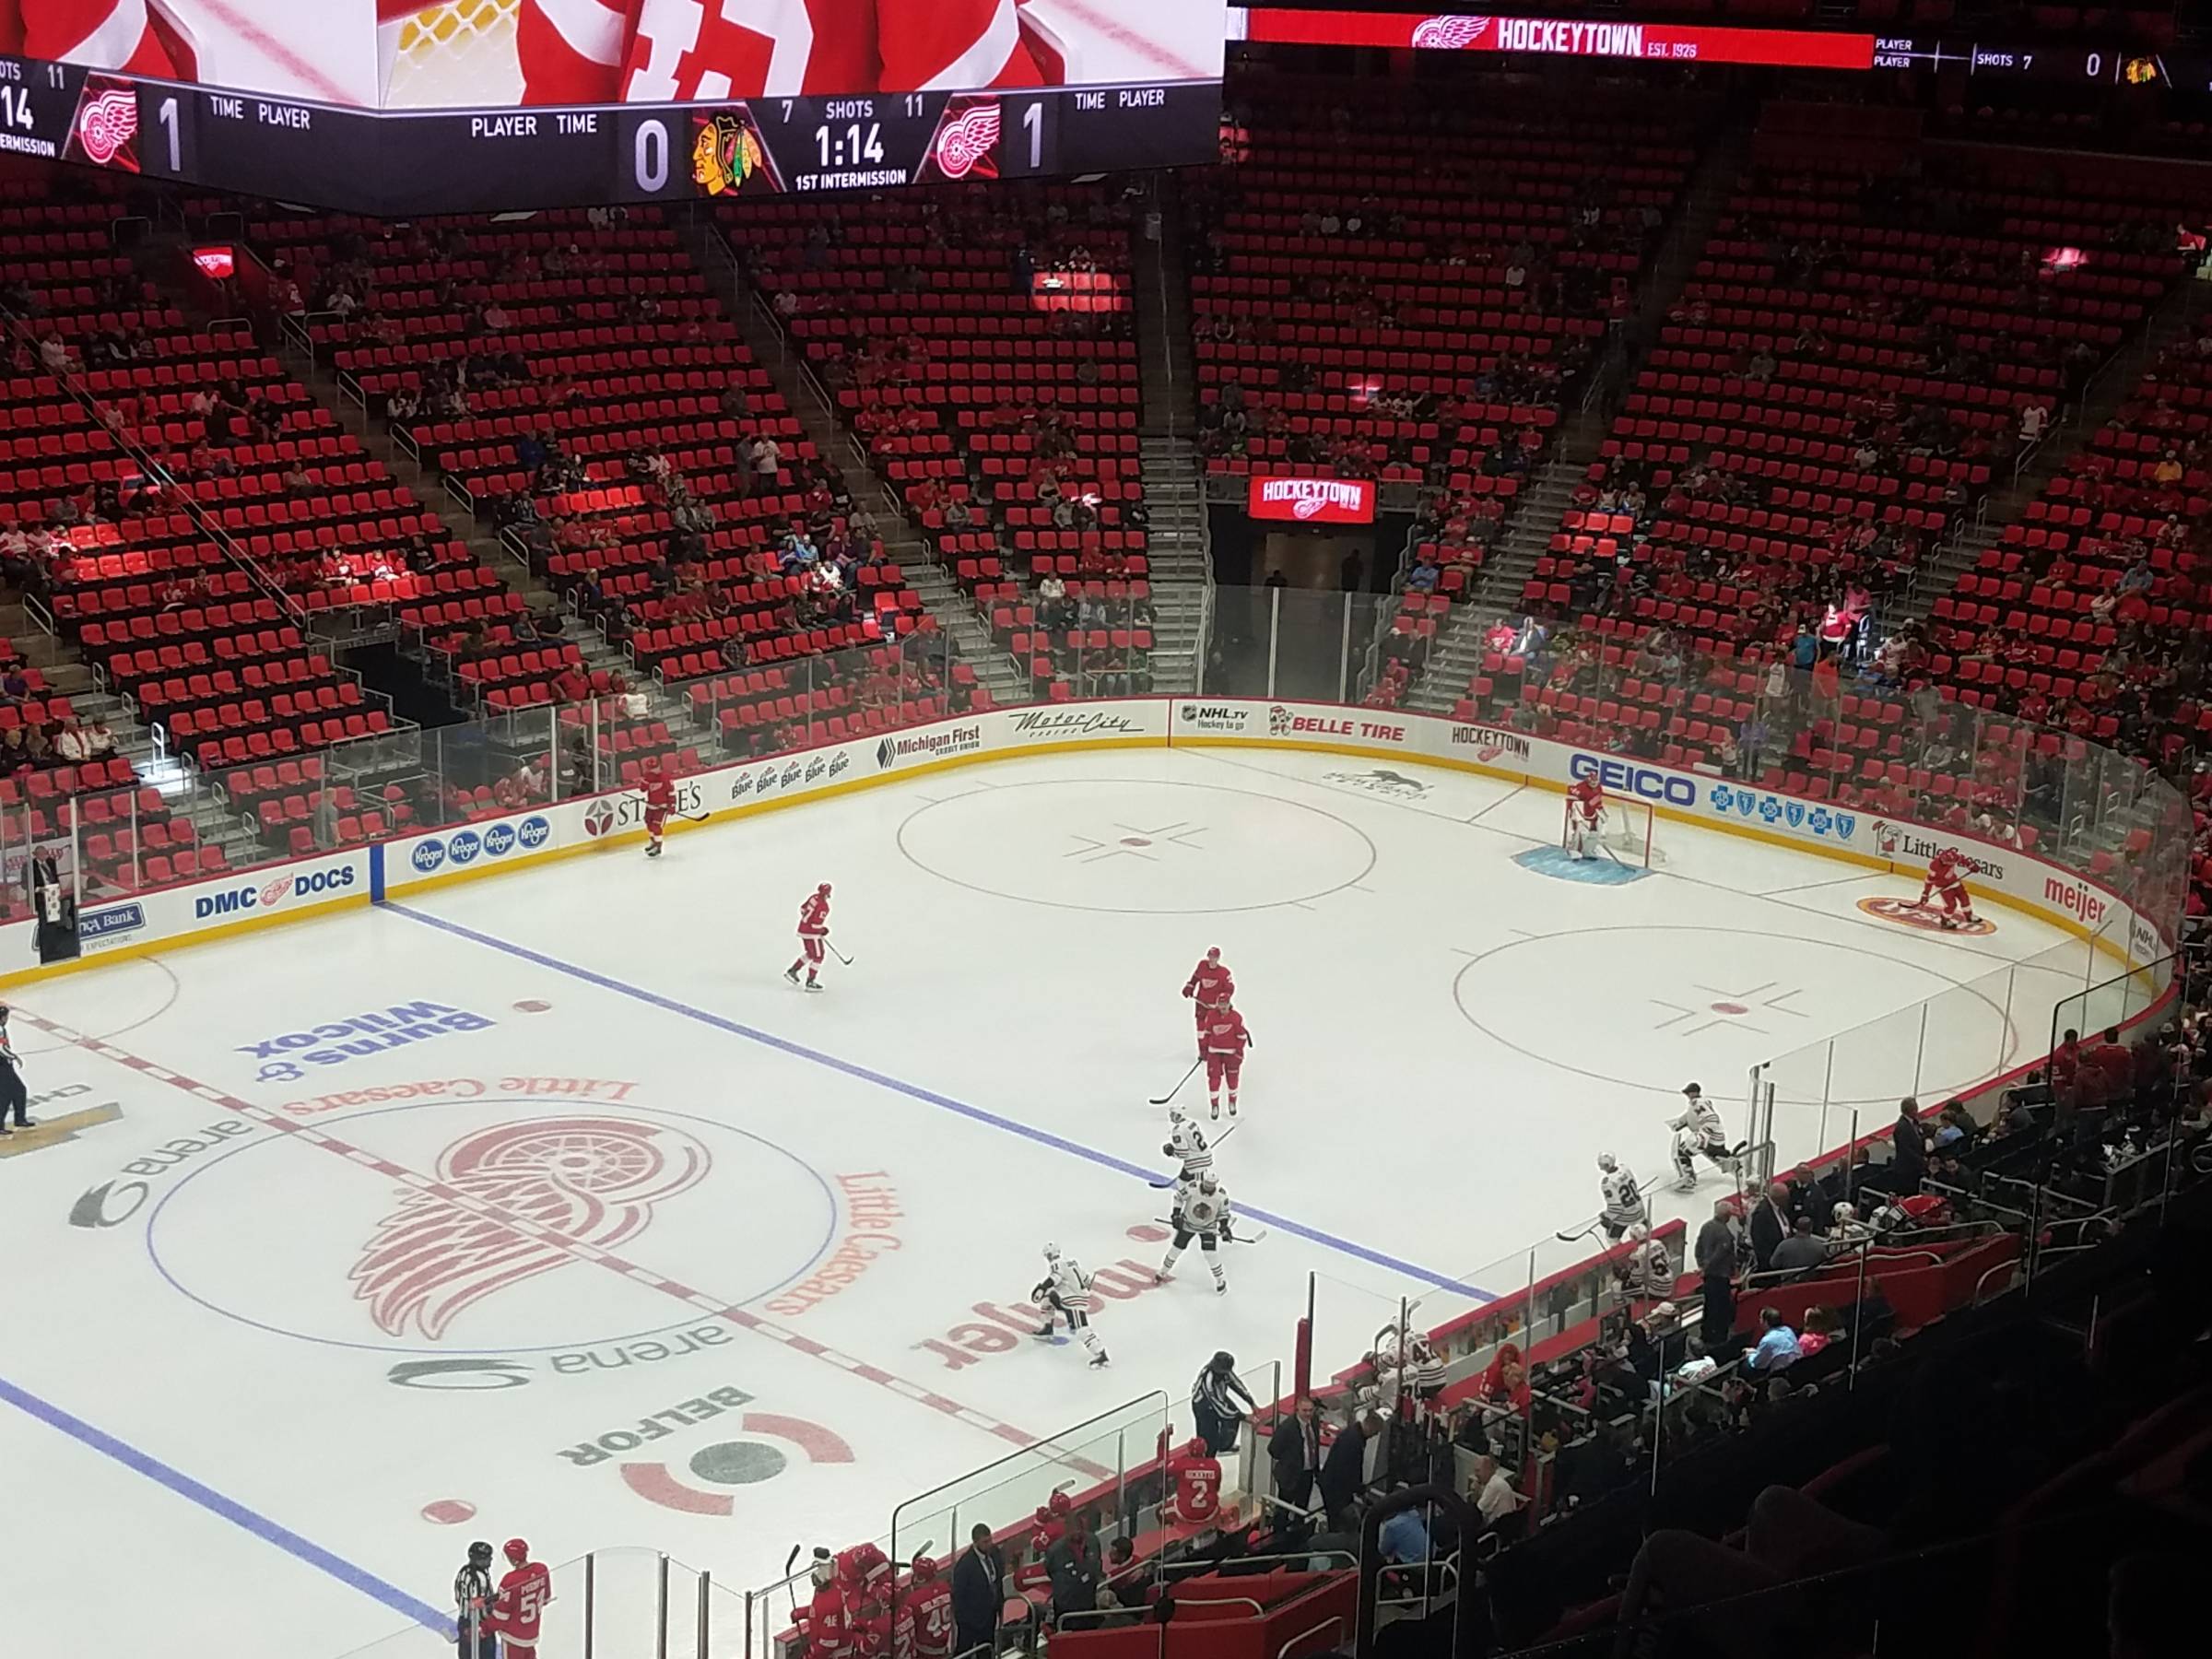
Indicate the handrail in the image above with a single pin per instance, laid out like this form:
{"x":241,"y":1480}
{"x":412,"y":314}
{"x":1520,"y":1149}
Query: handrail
{"x":1336,"y":1619}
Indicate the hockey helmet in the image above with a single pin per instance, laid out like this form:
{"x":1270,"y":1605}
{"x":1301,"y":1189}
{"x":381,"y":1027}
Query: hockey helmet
{"x":823,"y":1569}
{"x":480,"y":1553}
{"x":823,"y":889}
{"x":1051,"y":1252}
{"x":1206,"y":1182}
{"x":1198,"y":1447}
{"x":1692,"y":1090}
{"x":517,"y":1551}
{"x":1213,"y":953}
{"x":925,"y":1568}
{"x":1640,"y":1232}
{"x":1062,"y":1504}
{"x":1606,"y":1161}
{"x":1174,"y":1112}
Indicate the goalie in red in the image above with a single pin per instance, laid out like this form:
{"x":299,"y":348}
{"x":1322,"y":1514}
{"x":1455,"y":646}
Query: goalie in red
{"x":1210,"y":987}
{"x":814,"y":938}
{"x":1947,"y":871}
{"x":1586,"y":817}
{"x":519,"y":1609}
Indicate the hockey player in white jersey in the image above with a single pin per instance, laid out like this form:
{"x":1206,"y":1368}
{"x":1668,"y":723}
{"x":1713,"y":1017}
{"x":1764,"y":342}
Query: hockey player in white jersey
{"x":1406,"y":1359}
{"x":1648,"y":1274}
{"x":1201,"y":1212}
{"x":1699,"y":1132}
{"x":1065,"y":1293}
{"x":1187,"y":1145}
{"x":1623,"y":1200}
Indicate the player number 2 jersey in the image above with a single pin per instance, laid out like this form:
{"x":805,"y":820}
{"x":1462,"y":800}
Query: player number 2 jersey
{"x":676,"y":51}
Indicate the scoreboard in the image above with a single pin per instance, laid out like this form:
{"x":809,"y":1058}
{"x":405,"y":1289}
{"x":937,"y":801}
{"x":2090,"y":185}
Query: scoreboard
{"x":333,"y":108}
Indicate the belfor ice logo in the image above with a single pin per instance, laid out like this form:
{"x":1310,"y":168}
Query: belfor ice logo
{"x":1449,"y":33}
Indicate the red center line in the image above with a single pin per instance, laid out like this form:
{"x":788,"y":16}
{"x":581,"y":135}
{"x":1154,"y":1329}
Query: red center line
{"x":575,"y":1248}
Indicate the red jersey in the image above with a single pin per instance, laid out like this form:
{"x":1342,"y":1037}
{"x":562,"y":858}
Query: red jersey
{"x":1588,"y":797}
{"x":1195,"y":1485}
{"x":1210,"y":982}
{"x":660,"y":795}
{"x":862,"y":1567}
{"x":814,"y":917}
{"x":925,"y":1626}
{"x":520,"y":1606}
{"x":1947,"y":866}
{"x":830,"y":1626}
{"x":1225,"y":1034}
{"x":100,"y":34}
{"x":676,"y":51}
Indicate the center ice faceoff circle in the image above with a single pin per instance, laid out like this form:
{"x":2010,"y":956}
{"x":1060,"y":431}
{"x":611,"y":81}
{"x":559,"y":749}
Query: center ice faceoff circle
{"x":1136,"y":846}
{"x":488,"y":1226}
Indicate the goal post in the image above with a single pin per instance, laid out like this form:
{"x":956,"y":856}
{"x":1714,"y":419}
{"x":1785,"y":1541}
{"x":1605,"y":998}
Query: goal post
{"x":1624,"y":831}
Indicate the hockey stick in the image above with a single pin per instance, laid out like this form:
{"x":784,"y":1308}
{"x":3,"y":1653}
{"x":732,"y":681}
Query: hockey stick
{"x":1186,"y":1077}
{"x":1159,"y":1186}
{"x":788,"y":1591}
{"x":694,"y":818}
{"x":1252,"y":1237}
{"x":1573,"y":1238}
{"x":840,"y":955}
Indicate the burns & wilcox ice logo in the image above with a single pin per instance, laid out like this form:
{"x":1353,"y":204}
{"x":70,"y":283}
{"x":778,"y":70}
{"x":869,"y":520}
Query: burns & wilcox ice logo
{"x":516,"y":1200}
{"x":1380,"y":781}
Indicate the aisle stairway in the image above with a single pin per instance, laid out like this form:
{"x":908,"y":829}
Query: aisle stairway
{"x":1180,"y":544}
{"x":881,"y":513}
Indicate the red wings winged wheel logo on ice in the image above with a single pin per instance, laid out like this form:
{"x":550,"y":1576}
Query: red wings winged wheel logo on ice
{"x":594,"y":1180}
{"x":968,"y":141}
{"x":1449,"y":33}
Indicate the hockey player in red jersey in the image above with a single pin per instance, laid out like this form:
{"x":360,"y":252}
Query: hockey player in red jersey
{"x":923,"y":1628}
{"x":814,"y":938}
{"x":519,"y":1608}
{"x":679,"y":50}
{"x":1585,"y":816}
{"x":1194,"y":1485}
{"x":1947,"y":871}
{"x":1210,"y":987}
{"x":100,"y":34}
{"x":660,"y":800}
{"x":1223,"y":1040}
{"x":827,"y":1621}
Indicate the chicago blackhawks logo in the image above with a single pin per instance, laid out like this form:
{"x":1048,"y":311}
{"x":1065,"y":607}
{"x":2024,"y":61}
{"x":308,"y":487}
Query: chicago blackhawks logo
{"x":591,"y":1181}
{"x":724,"y":155}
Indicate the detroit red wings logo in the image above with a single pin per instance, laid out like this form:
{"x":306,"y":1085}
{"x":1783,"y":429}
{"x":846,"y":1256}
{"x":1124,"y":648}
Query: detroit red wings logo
{"x":1307,"y":506}
{"x":970,"y":142}
{"x":106,"y":124}
{"x":591,"y":1179}
{"x":1449,"y":33}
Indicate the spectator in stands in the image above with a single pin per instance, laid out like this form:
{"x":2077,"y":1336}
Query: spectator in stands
{"x":978,"y":1580}
{"x":1492,"y":1491}
{"x":1073,"y":1562}
{"x":1909,"y":1160}
{"x":1777,"y":1348}
{"x":1769,"y":1224}
{"x":1821,"y":1328}
{"x":100,"y":742}
{"x":1344,"y":1471}
{"x":1802,"y":1251}
{"x":1295,"y":1449}
{"x":14,"y":756}
{"x":68,"y":744}
{"x":1404,"y":1535}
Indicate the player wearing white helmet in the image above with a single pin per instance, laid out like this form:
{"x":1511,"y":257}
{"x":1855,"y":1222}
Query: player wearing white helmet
{"x":1186,"y":1144}
{"x":1065,"y":1293}
{"x":1699,"y":1132}
{"x":1623,"y":1200}
{"x":1649,"y":1271}
{"x":1201,"y":1212}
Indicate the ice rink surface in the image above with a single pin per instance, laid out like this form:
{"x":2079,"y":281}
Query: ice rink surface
{"x":630,"y":1242}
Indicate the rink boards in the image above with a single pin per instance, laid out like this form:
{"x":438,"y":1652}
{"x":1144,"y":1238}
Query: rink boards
{"x":169,"y":917}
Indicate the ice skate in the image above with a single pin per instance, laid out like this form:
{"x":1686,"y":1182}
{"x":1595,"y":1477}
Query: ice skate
{"x":1098,"y":1360}
{"x":792,"y":974}
{"x":812,"y":986}
{"x":1216,"y":1110}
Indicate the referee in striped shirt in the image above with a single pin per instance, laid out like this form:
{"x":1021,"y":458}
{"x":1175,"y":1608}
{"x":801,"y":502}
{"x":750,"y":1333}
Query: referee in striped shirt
{"x":1215,"y":1410}
{"x":472,"y":1604}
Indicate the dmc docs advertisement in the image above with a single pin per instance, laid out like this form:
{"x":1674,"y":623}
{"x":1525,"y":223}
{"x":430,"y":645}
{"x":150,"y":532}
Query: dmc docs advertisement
{"x":750,"y":786}
{"x":1720,"y":803}
{"x":307,"y":885}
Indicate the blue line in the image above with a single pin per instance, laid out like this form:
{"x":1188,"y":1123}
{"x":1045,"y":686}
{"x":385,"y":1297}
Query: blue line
{"x":916,"y":1092}
{"x":228,"y":1509}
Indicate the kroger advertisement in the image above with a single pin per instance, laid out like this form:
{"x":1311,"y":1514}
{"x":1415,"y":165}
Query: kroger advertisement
{"x":308,"y":886}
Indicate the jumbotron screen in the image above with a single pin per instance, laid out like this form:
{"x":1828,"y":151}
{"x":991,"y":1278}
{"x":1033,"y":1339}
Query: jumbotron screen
{"x":404,"y":107}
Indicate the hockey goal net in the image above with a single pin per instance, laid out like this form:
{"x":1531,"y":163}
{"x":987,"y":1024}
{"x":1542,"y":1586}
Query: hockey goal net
{"x":1624,"y":832}
{"x":457,"y":52}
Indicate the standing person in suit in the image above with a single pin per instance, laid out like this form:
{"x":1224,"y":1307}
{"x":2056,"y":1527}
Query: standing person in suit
{"x":1344,"y":1471}
{"x":979,"y":1592}
{"x":1295,"y":1449}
